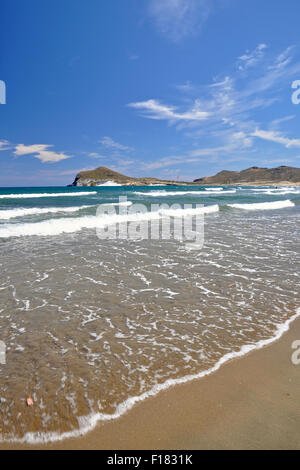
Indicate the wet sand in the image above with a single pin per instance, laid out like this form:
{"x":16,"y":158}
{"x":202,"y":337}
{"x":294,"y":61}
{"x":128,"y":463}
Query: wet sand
{"x":250,"y":403}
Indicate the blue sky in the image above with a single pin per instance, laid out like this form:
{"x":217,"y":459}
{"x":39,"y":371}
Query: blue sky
{"x":166,"y":88}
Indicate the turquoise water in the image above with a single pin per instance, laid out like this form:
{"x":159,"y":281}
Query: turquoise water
{"x":32,"y":205}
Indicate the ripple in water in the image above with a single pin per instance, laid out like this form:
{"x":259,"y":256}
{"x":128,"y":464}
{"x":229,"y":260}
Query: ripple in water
{"x":89,"y":325}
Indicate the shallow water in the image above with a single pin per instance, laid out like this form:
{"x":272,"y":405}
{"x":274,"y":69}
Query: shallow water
{"x":90,"y":323}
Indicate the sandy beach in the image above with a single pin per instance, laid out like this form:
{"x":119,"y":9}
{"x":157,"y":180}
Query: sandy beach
{"x":149,"y":226}
{"x":250,"y":403}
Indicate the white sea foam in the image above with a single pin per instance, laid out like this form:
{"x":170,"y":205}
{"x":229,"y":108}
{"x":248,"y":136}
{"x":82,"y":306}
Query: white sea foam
{"x":281,"y":193}
{"x":21,"y":212}
{"x":89,"y":422}
{"x":109,"y":183}
{"x":277,"y":191}
{"x":262,"y":206}
{"x":124,"y":203}
{"x":33,"y":195}
{"x":182,"y":193}
{"x":68,"y":225}
{"x":193,"y":211}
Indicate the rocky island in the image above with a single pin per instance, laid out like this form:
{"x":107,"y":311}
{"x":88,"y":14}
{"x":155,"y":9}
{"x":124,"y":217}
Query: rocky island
{"x":282,"y":175}
{"x":103,"y":175}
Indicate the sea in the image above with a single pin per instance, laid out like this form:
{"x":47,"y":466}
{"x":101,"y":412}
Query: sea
{"x":92,"y":326}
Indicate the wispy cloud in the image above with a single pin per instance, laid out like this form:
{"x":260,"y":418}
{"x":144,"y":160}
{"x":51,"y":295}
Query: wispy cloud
{"x":4,"y":145}
{"x":238,"y":141}
{"x":277,"y":137}
{"x":153,"y":109}
{"x":283,"y":59}
{"x":177,"y":19}
{"x":276,"y":122}
{"x":221,"y":119}
{"x":95,"y":155}
{"x":110,"y":143}
{"x":41,"y":152}
{"x":186,"y":87}
{"x":251,"y":58}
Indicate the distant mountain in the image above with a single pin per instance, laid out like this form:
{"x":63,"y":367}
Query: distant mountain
{"x":102,"y":175}
{"x":254,"y":175}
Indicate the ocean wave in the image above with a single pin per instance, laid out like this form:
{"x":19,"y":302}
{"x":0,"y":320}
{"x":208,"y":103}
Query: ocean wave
{"x":89,"y":422}
{"x":124,"y":203}
{"x":277,"y":191}
{"x":182,"y":193}
{"x":22,"y":212}
{"x":33,"y":195}
{"x":66,"y":225}
{"x":192,"y":211}
{"x":282,"y":193}
{"x":263,"y":205}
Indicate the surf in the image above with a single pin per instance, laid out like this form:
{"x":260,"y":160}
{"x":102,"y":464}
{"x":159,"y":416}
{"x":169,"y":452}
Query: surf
{"x":38,"y":195}
{"x":70,"y":225}
{"x":261,"y":206}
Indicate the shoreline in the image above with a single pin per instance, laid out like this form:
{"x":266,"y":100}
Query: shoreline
{"x":192,"y":183}
{"x":235,"y":411}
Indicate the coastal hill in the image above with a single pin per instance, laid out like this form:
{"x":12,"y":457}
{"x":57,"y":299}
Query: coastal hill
{"x":102,"y":175}
{"x":254,"y":176}
{"x":283,"y":175}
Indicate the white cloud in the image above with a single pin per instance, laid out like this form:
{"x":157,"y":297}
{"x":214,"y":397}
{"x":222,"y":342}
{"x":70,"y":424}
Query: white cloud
{"x":235,"y":141}
{"x":186,"y":87}
{"x":95,"y":155}
{"x":283,"y":59}
{"x":250,"y":59}
{"x":179,"y":18}
{"x":221,"y":119}
{"x":277,"y":137}
{"x":110,"y":143}
{"x":4,"y":145}
{"x":153,"y":109}
{"x":22,"y":149}
{"x":275,"y":123}
{"x":41,"y":152}
{"x":241,"y":140}
{"x":225,"y":111}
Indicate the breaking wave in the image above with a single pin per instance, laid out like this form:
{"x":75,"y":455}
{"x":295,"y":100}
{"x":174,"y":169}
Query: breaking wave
{"x":71,"y":225}
{"x":12,"y":213}
{"x":33,"y":195}
{"x":182,"y":193}
{"x":261,"y":206}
